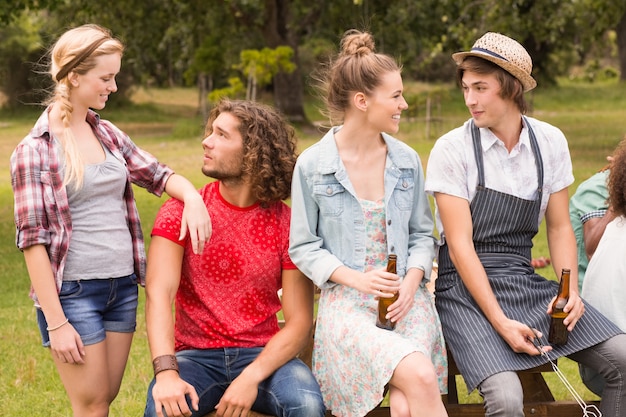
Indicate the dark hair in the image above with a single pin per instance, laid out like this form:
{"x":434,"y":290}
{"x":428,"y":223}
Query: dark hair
{"x":617,"y":180}
{"x":510,"y":87}
{"x":269,"y":147}
{"x":357,"y":68}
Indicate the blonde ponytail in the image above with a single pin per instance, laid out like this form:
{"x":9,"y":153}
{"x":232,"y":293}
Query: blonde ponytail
{"x":74,"y":165}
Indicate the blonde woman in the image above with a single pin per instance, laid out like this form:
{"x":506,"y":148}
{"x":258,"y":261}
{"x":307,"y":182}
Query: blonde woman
{"x":77,"y":222}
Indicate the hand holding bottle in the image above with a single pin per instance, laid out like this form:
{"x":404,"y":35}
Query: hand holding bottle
{"x":385,"y":301}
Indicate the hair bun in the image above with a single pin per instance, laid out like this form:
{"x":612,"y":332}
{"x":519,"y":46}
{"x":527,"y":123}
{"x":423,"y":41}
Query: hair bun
{"x":359,"y":43}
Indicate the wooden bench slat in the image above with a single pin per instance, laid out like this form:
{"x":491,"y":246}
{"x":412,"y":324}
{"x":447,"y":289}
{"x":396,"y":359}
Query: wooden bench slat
{"x":540,"y":409}
{"x":538,"y":399}
{"x":533,"y":383}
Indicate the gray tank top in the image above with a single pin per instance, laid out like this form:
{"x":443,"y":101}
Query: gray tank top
{"x":101,"y":244}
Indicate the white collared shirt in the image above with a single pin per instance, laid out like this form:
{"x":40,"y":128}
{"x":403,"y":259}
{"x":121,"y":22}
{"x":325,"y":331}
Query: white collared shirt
{"x":452,"y":165}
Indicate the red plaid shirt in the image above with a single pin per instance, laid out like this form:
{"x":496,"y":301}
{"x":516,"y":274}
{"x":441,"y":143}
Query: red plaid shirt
{"x":41,"y":208}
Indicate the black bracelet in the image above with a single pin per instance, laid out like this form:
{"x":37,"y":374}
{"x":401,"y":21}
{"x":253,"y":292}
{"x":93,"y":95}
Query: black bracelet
{"x":164,"y":363}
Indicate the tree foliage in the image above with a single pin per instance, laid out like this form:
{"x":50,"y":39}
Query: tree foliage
{"x":556,"y":33}
{"x":186,"y":42}
{"x":258,"y":68}
{"x":10,"y":10}
{"x":261,"y":66}
{"x":20,"y":52}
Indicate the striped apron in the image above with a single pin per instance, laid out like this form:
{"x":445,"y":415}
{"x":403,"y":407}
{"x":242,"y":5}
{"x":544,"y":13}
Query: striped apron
{"x":504,"y":227}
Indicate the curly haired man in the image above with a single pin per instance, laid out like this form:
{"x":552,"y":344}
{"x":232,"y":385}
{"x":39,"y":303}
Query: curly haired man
{"x":224,"y":351}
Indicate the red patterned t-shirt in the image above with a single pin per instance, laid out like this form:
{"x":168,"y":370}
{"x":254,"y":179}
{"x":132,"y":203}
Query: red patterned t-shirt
{"x":227,"y":296}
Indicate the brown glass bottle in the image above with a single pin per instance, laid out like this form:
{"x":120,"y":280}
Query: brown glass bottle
{"x":385,"y":302}
{"x":558,"y":330}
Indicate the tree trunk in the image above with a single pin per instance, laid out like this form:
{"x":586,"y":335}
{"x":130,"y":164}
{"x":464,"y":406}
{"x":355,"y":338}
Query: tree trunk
{"x":621,"y":46}
{"x":287,"y":87}
{"x":288,"y":96}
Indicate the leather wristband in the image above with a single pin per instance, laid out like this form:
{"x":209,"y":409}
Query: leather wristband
{"x":164,"y":363}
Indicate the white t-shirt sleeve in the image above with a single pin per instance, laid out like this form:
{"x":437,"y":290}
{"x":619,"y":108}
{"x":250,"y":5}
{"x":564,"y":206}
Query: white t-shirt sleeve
{"x":447,"y":169}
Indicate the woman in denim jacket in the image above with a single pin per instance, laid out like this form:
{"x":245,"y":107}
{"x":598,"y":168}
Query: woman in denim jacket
{"x":358,"y":196}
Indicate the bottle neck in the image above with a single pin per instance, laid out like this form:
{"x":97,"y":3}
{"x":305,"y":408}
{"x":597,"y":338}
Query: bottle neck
{"x":564,"y":286}
{"x":391,"y":264}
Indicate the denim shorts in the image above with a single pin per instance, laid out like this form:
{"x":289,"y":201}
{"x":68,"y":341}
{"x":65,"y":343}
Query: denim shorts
{"x":97,"y":306}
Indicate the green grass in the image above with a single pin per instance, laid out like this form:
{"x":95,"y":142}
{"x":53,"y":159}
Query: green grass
{"x":166,"y":123}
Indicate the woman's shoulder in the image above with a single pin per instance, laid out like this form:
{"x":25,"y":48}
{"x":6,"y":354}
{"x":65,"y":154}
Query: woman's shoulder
{"x":33,"y":142}
{"x":401,"y":151}
{"x":320,"y":150}
{"x":37,"y":141}
{"x":109,"y":130}
{"x":310,"y":153}
{"x":39,"y":134}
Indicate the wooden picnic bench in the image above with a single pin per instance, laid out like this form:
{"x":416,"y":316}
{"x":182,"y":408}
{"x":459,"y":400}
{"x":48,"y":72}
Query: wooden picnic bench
{"x":538,"y":399}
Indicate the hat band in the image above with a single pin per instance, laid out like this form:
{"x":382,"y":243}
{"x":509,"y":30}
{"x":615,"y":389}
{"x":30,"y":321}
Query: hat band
{"x":79,"y":58}
{"x":487,"y":51}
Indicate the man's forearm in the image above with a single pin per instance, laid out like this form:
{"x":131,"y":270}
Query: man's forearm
{"x":593,"y":229}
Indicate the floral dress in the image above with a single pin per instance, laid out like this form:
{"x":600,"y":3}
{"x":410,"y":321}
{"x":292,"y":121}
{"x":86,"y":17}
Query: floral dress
{"x":353,"y":359}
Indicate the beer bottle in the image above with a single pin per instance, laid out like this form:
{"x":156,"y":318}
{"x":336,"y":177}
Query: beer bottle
{"x":384,"y":303}
{"x":558,"y":330}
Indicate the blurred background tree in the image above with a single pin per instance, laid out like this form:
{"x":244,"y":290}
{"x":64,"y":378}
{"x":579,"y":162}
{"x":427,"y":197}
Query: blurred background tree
{"x":199,"y":42}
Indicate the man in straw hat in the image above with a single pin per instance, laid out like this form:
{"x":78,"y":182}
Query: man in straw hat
{"x":494,"y":179}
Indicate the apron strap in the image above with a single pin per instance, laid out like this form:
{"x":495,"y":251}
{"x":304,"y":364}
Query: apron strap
{"x":478,"y":154}
{"x":538,"y":159}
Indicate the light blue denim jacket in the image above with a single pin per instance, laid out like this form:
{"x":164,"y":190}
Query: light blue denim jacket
{"x":327,"y":224}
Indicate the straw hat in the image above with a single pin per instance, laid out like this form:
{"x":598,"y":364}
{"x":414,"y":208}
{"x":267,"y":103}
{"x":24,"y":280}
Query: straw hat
{"x":505,"y":52}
